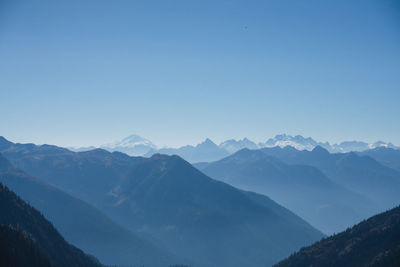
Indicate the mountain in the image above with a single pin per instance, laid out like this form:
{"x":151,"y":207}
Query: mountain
{"x":361,"y":174}
{"x":374,"y":242}
{"x":233,"y":145}
{"x":298,"y":142}
{"x":301,"y":143}
{"x":205,"y":151}
{"x":133,"y":145}
{"x":387,"y":156}
{"x":166,"y":198}
{"x":303,"y":189}
{"x":203,"y":219}
{"x":82,"y":224}
{"x":18,"y":215}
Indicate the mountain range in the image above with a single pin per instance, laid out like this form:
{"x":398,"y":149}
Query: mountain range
{"x":304,"y":189}
{"x":160,"y":210}
{"x":358,"y":173}
{"x":170,"y":203}
{"x":208,"y":151}
{"x":330,"y":190}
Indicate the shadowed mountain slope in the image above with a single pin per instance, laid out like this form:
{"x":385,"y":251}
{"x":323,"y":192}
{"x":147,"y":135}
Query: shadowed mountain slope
{"x":15,"y":213}
{"x":18,"y":249}
{"x":374,"y":242}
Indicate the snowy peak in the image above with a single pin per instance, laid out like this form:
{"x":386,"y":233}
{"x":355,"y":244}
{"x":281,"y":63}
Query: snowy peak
{"x":132,"y":141}
{"x":301,"y":143}
{"x":132,"y":145}
{"x":298,"y":142}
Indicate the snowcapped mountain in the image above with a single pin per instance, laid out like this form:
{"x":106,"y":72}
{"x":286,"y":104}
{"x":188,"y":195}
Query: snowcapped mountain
{"x":208,"y":151}
{"x":298,"y":142}
{"x":132,"y":145}
{"x":358,"y":146}
{"x":301,"y":143}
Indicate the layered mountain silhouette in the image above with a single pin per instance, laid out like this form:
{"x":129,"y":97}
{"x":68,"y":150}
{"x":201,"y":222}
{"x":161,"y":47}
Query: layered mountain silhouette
{"x":387,"y":156}
{"x":233,"y":145}
{"x":361,"y":174}
{"x":83,"y":225}
{"x":205,"y":151}
{"x":302,"y":188}
{"x":170,"y":201}
{"x":208,"y":151}
{"x":374,"y":242}
{"x":28,"y":239}
{"x":301,"y":143}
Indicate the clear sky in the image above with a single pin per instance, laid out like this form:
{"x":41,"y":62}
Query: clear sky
{"x":79,"y":73}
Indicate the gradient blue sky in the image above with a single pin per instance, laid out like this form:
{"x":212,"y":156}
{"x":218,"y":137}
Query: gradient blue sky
{"x":77,"y":73}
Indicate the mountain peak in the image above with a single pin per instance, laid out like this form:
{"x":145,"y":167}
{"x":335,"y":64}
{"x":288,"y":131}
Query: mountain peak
{"x":320,"y":150}
{"x":134,"y":138}
{"x":133,"y":145}
{"x":207,"y":142}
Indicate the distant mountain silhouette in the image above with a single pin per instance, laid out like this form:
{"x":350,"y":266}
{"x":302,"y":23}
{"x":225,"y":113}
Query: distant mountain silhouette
{"x":205,"y":151}
{"x":301,"y":143}
{"x":233,"y":145}
{"x":301,"y":188}
{"x":387,"y":156}
{"x":132,"y":145}
{"x":48,"y":243}
{"x":164,"y":197}
{"x":82,"y":224}
{"x":208,"y":151}
{"x":360,"y":174}
{"x":374,"y":242}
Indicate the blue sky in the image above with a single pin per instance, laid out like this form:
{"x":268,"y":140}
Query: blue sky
{"x":77,"y":73}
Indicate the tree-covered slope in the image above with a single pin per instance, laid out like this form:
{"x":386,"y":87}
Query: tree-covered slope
{"x":17,"y":249}
{"x":16,"y":213}
{"x":374,"y":242}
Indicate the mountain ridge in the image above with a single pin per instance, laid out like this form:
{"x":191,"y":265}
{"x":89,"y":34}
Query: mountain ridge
{"x":135,"y":145}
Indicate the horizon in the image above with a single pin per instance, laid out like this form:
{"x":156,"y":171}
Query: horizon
{"x":86,"y":73}
{"x":218,"y":143}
